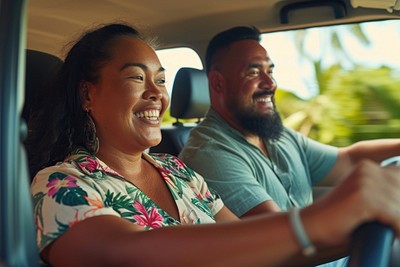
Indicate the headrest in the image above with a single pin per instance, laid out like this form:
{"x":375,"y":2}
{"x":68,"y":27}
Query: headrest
{"x":40,"y":68}
{"x":190,"y":97}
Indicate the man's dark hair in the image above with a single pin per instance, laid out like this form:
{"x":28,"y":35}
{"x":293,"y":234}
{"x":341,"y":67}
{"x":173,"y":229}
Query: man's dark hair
{"x":227,"y":37}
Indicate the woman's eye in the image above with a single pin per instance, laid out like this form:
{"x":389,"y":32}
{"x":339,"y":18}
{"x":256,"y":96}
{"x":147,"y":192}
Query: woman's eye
{"x":138,"y":77}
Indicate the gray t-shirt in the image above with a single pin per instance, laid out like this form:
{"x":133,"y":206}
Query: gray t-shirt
{"x":244,"y":177}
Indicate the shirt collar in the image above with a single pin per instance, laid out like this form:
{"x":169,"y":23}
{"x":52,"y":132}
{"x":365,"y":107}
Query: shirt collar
{"x":213,"y":115}
{"x":92,"y":166}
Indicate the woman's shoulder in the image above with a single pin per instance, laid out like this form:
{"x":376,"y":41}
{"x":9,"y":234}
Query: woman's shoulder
{"x":77,"y":164}
{"x":61,"y":169}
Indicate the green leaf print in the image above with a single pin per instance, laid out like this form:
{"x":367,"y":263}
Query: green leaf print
{"x":38,"y":204}
{"x":46,"y":238}
{"x":202,"y":206}
{"x":118,"y":201}
{"x":180,"y":185}
{"x":64,"y":190}
{"x":37,"y":198}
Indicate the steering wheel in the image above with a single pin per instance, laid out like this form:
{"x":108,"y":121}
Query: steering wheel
{"x":374,"y":243}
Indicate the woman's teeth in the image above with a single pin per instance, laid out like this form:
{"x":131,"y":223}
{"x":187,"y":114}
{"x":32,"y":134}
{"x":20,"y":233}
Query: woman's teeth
{"x":148,"y":114}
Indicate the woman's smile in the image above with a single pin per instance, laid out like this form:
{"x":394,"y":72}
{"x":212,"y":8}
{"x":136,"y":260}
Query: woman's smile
{"x":151,"y":116}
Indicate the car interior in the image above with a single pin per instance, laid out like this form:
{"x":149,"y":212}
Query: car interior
{"x":189,"y":101}
{"x":32,"y":33}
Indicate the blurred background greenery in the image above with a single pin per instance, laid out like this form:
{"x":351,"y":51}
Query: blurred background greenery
{"x":354,"y":105}
{"x":357,"y":98}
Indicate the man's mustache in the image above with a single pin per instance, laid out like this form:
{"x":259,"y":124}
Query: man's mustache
{"x":264,"y":93}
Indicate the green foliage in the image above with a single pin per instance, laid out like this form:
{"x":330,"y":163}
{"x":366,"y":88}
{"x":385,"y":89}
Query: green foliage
{"x":353,"y":105}
{"x":167,"y":119}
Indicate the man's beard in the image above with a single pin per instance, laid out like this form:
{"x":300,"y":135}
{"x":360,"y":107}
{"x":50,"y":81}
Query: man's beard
{"x":268,"y":127}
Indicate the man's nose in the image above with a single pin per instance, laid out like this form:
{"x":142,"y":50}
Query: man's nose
{"x":268,"y":81}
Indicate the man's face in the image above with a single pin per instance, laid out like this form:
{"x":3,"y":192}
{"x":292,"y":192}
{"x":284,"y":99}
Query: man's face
{"x":250,"y":89}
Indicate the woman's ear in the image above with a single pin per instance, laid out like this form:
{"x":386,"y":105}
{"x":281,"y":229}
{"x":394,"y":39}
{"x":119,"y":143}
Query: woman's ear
{"x":85,"y":95}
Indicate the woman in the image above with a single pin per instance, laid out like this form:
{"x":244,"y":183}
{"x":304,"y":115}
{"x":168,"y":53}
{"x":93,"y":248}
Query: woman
{"x":98,"y":192}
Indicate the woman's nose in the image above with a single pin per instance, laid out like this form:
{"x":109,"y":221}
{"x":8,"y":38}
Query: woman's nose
{"x":153,"y":91}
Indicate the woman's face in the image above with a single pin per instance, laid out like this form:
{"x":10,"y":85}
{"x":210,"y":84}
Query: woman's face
{"x":129,"y":99}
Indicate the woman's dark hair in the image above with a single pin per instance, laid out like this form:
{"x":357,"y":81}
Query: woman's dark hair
{"x":58,"y":123}
{"x":227,"y":37}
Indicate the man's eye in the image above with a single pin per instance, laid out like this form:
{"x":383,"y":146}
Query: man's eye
{"x":254,"y":72}
{"x":161,"y":81}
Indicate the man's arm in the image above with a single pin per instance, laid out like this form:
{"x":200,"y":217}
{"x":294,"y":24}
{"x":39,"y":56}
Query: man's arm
{"x":376,"y":150}
{"x":264,"y":207}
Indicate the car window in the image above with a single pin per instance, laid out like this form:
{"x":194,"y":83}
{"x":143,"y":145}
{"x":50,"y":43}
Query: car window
{"x":175,"y":58}
{"x":339,"y":84}
{"x":172,"y":60}
{"x":351,"y":102}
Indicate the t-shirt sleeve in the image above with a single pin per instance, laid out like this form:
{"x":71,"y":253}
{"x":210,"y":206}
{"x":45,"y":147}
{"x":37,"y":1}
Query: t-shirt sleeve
{"x":320,"y":157}
{"x":62,"y":198}
{"x":229,"y":174}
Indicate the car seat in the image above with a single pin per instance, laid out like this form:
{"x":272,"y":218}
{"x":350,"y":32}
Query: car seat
{"x":40,"y":68}
{"x":189,"y":101}
{"x":18,"y":246}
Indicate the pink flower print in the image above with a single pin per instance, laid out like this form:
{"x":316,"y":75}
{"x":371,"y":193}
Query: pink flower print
{"x":111,"y":171}
{"x":208,"y":194}
{"x":152,"y":220}
{"x":90,"y":164}
{"x":179,"y":163}
{"x":167,"y":179}
{"x":73,"y":223}
{"x":55,"y":184}
{"x":164,"y":170}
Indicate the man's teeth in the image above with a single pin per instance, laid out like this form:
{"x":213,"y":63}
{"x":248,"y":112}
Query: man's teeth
{"x":266,"y":99}
{"x":148,"y":114}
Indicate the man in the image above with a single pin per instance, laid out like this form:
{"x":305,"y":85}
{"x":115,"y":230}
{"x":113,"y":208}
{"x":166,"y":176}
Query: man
{"x":241,"y":147}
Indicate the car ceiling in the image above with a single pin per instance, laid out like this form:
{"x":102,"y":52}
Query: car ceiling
{"x":51,"y":24}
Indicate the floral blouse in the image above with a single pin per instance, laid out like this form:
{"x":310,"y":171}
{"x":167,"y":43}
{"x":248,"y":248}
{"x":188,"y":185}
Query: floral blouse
{"x":83,"y":186}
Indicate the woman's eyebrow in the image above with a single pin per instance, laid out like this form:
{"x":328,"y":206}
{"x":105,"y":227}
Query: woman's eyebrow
{"x":140,"y":65}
